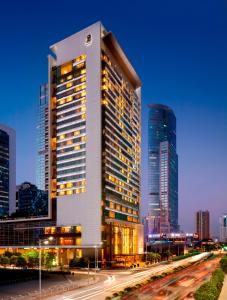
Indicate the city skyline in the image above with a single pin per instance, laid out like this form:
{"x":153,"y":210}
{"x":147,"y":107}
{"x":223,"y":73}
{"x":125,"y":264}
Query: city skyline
{"x":191,"y":95}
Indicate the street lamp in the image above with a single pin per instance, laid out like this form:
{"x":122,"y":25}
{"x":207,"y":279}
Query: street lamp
{"x":45,"y":242}
{"x":146,"y":252}
{"x":97,"y":255}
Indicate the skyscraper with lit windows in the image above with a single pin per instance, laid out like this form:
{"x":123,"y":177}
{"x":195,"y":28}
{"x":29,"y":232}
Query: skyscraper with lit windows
{"x":162,"y":209}
{"x":94,"y":108}
{"x":42,"y":140}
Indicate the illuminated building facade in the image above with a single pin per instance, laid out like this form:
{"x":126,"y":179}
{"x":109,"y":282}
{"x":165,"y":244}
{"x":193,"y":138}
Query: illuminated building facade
{"x":7,"y":171}
{"x":95,"y":136}
{"x":203,"y":224}
{"x":223,"y":228}
{"x":42,"y":142}
{"x":162,"y":210}
{"x":93,"y":117}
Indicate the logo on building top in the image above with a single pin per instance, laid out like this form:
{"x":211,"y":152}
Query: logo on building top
{"x":88,"y":40}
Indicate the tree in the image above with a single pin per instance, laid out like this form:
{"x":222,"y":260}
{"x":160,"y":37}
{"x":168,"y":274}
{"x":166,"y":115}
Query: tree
{"x":167,"y":254}
{"x":13,"y":259}
{"x":49,"y":259}
{"x":8,"y":254}
{"x":5,"y":260}
{"x":223,"y":263}
{"x":157,"y":257}
{"x":32,"y":258}
{"x":151,"y":256}
{"x":21,"y":261}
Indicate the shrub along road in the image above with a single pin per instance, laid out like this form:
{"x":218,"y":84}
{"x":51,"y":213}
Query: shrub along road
{"x":180,"y":285}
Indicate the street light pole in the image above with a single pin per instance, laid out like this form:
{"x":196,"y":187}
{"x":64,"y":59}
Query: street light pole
{"x":40,"y":270}
{"x":95,"y":258}
{"x":88,"y":265}
{"x":46,"y":242}
{"x":146,"y":252}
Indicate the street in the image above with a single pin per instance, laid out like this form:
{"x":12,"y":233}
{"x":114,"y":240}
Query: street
{"x":118,"y":280}
{"x":176,"y":286}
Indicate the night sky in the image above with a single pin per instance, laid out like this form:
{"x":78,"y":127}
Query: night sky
{"x":179,"y":49}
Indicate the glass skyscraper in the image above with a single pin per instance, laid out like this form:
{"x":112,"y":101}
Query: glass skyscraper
{"x":42,"y":158}
{"x":7,"y":171}
{"x":162,"y":211}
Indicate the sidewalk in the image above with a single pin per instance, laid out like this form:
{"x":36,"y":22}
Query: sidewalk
{"x":223,"y":295}
{"x":55,"y":282}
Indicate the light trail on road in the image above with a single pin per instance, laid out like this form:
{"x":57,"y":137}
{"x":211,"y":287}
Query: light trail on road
{"x":108,"y":287}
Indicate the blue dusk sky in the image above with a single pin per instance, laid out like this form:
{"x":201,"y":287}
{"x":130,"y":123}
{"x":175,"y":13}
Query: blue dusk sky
{"x":178,"y":48}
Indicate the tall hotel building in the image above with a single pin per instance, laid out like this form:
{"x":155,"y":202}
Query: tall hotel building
{"x":162,"y":210}
{"x":42,"y":142}
{"x":7,"y":171}
{"x":94,"y":127}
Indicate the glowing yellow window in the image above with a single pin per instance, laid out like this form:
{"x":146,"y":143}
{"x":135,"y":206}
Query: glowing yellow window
{"x":53,"y":230}
{"x":83,"y":138}
{"x":69,"y":185}
{"x":77,"y":132}
{"x":69,"y":77}
{"x":112,"y":214}
{"x":78,"y":241}
{"x":77,"y":147}
{"x":62,"y":102}
{"x":123,"y":209}
{"x":62,"y":193}
{"x":62,"y":136}
{"x":83,"y":71}
{"x":69,"y":192}
{"x":118,"y":207}
{"x":62,"y":186}
{"x":69,"y":99}
{"x":78,"y":228}
{"x":69,"y":142}
{"x":129,"y":219}
{"x":68,"y":85}
{"x":66,"y":68}
{"x":111,"y":205}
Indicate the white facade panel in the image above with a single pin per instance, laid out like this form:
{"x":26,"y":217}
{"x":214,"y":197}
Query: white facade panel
{"x":85,"y":208}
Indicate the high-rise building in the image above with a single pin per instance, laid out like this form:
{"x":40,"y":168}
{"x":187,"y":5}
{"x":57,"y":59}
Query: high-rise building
{"x":95,"y":106}
{"x":32,"y":201}
{"x":223,"y":228}
{"x":7,"y":171}
{"x":203,"y":224}
{"x":42,"y":140}
{"x":94,"y":109}
{"x":162,"y":209}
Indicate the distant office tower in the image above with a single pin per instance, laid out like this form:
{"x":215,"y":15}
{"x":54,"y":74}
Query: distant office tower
{"x":162,"y":211}
{"x":31,"y":201}
{"x":42,"y":142}
{"x":223,"y":228}
{"x":95,"y":141}
{"x":7,"y":171}
{"x":203,"y":224}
